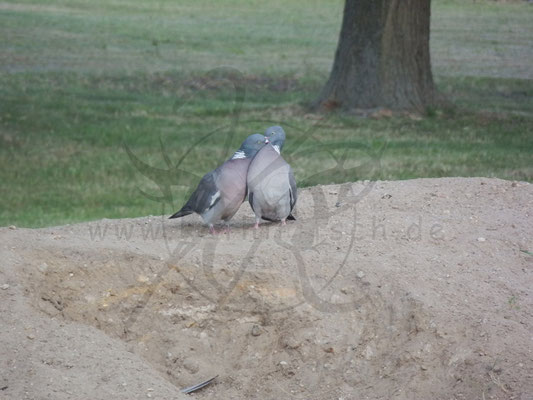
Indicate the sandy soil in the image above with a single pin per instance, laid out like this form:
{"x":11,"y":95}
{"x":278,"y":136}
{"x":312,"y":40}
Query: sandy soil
{"x":389,"y":290}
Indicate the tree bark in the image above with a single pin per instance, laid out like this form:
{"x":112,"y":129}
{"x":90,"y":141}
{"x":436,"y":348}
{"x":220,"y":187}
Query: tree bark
{"x":382,"y":58}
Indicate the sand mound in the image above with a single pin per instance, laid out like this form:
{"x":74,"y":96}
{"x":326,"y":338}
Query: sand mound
{"x":410,"y":289}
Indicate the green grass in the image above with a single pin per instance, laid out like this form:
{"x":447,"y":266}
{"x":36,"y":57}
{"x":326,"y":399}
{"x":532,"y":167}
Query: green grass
{"x":80,"y":80}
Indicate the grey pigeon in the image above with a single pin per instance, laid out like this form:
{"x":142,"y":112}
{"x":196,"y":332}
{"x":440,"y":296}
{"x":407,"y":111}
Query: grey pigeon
{"x":271,"y":184}
{"x":221,"y":192}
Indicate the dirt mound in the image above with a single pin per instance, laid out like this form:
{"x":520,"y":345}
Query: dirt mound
{"x":411,"y":289}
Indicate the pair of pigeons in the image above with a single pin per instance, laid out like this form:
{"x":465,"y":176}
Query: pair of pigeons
{"x":257,"y":170}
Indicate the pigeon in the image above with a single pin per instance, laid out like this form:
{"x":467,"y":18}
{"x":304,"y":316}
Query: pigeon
{"x":221,"y":192}
{"x":271,"y":184}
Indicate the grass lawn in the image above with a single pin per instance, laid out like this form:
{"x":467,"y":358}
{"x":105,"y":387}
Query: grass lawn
{"x":81,"y":82}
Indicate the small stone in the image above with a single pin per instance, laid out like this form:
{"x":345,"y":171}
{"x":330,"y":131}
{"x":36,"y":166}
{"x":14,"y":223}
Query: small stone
{"x":43,"y":267}
{"x":256,"y":330}
{"x":283,"y":363}
{"x":5,"y":286}
{"x":360,"y":274}
{"x":368,"y":353}
{"x":291,"y":343}
{"x":191,"y":366}
{"x":481,"y":239}
{"x":142,"y":279}
{"x":30,"y":336}
{"x":423,"y":368}
{"x":12,"y":227}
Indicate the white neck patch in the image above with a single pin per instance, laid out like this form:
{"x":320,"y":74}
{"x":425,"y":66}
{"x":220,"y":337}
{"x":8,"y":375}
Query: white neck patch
{"x":214,"y":198}
{"x":276,"y":147}
{"x":238,"y":154}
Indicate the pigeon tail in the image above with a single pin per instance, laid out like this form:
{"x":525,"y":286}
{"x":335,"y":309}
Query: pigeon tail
{"x":181,"y":213}
{"x":290,"y":218}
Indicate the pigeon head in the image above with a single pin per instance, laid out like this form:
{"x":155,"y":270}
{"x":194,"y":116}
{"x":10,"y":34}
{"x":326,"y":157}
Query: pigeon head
{"x":275,"y":136}
{"x":250,"y":146}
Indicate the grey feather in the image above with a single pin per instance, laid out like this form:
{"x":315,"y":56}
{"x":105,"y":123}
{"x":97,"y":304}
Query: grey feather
{"x":293,"y":192}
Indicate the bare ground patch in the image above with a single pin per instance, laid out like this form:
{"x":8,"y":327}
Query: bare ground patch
{"x":418,"y":289}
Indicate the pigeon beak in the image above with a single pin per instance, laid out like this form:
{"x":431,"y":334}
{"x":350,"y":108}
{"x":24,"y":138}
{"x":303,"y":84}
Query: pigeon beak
{"x":267,"y":141}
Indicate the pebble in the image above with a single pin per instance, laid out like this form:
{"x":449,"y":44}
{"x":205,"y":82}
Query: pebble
{"x":43,"y":267}
{"x":5,"y":286}
{"x":256,"y":330}
{"x":12,"y":227}
{"x":368,"y":353}
{"x":360,"y":274}
{"x":191,"y":366}
{"x":291,"y":343}
{"x":481,"y":239}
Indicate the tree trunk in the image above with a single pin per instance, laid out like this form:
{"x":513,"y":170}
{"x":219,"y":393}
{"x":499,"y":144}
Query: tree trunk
{"x":382,"y":58}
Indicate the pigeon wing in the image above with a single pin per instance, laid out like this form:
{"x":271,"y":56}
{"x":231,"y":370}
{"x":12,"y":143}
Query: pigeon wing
{"x":203,"y":198}
{"x":293,"y":192}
